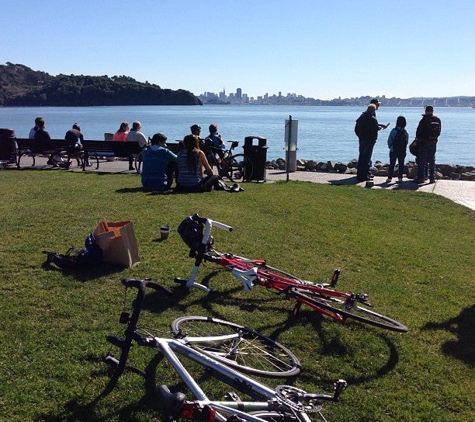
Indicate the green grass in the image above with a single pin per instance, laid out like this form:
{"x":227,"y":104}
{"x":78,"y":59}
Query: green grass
{"x":413,"y":252}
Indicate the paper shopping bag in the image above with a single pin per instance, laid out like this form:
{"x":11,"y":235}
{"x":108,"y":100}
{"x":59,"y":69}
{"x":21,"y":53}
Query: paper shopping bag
{"x":118,"y":243}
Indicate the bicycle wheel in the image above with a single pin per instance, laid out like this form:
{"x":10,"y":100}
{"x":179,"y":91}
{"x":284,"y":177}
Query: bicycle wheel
{"x":138,"y":162}
{"x":250,"y":353}
{"x":238,"y":168}
{"x":275,"y":416}
{"x":354,"y":311}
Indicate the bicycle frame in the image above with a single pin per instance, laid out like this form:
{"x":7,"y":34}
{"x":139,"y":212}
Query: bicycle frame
{"x":252,"y":271}
{"x":266,"y":399}
{"x":322,"y":297}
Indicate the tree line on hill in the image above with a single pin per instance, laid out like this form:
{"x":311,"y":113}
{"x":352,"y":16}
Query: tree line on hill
{"x":22,"y":86}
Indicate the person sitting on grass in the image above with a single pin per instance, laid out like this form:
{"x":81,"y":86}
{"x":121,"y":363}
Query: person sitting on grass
{"x":191,"y":162}
{"x":158,"y":164}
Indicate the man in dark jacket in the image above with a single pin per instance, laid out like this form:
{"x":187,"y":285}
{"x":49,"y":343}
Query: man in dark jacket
{"x":427,"y":135}
{"x":366,"y":130}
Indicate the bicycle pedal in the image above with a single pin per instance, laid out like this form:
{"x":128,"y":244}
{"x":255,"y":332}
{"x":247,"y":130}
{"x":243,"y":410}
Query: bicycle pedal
{"x":232,"y":396}
{"x":116,"y":341}
{"x":336,"y":275}
{"x":124,"y":317}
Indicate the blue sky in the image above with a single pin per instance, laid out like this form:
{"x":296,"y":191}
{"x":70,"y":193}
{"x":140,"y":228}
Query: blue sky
{"x":320,"y":49}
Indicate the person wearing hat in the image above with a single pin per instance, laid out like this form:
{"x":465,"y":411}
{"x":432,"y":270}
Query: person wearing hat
{"x":196,"y":131}
{"x":377,"y":103}
{"x":427,"y":134}
{"x":366,"y":129}
{"x":158,"y":164}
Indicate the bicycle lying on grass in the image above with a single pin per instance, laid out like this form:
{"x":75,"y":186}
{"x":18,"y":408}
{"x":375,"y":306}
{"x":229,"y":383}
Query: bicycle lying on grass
{"x":322,"y":297}
{"x":226,"y":350}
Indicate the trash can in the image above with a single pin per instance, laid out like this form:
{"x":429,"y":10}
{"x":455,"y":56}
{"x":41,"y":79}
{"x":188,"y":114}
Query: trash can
{"x":255,"y":148}
{"x":7,"y":146}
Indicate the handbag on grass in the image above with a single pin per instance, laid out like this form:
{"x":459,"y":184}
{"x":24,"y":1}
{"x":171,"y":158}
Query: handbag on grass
{"x":118,"y":243}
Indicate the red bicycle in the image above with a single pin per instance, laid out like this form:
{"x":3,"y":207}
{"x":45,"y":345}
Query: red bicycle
{"x":322,"y":297}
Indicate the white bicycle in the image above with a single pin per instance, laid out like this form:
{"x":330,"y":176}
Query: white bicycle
{"x":227,"y":351}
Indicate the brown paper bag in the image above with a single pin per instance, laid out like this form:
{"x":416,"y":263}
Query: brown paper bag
{"x":118,"y":243}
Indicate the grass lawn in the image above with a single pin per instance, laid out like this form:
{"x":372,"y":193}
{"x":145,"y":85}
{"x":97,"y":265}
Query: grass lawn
{"x":412,"y":252}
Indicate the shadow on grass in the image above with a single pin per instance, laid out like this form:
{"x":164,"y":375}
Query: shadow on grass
{"x":74,"y":411}
{"x":462,"y":326}
{"x":84,"y":274}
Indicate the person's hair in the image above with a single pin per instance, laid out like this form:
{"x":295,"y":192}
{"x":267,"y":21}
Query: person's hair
{"x":136,"y":125}
{"x":40,"y":122}
{"x":371,"y":109}
{"x":76,"y":126}
{"x":158,"y":138}
{"x":191,"y":145}
{"x":123,"y":127}
{"x":401,"y":121}
{"x":213,"y":128}
{"x":195,"y":128}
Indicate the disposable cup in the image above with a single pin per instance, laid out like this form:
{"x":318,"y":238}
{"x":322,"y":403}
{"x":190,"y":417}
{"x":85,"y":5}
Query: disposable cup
{"x":164,"y":232}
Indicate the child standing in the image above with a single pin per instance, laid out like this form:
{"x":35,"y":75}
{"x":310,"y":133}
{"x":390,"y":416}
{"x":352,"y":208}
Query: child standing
{"x":397,"y":143}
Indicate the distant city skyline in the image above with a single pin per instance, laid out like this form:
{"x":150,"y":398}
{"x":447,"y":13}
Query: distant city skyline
{"x":238,"y":97}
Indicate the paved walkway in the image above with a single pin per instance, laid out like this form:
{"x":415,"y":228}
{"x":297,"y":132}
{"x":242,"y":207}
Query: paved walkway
{"x":461,"y":192}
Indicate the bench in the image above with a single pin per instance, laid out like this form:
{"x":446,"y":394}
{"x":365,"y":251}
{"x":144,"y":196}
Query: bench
{"x":32,"y":148}
{"x":101,"y":150}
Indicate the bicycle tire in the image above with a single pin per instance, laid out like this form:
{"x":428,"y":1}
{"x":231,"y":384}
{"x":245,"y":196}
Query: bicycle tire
{"x":138,"y":162}
{"x":256,"y":354}
{"x":356,"y":312}
{"x":239,"y":168}
{"x":275,"y":416}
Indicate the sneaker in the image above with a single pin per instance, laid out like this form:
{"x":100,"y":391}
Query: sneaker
{"x":431,"y":181}
{"x":388,"y":180}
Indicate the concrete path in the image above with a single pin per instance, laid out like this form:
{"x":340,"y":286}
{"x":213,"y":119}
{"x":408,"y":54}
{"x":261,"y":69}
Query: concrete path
{"x":461,"y":192}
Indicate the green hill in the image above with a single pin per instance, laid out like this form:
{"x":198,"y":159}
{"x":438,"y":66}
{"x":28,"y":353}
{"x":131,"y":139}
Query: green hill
{"x":22,"y":86}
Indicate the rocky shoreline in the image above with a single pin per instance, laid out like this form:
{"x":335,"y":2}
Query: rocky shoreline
{"x":443,"y":171}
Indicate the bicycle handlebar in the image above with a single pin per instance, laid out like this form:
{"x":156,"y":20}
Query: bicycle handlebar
{"x":144,"y":283}
{"x":211,"y":223}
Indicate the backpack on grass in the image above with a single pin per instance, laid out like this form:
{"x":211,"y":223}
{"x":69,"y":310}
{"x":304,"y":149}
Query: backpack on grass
{"x":87,"y":257}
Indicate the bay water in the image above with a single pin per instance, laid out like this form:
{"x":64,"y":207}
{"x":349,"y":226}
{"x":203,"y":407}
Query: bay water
{"x":324,"y":133}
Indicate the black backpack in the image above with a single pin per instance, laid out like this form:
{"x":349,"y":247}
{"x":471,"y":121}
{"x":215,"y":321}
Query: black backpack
{"x":89,"y":256}
{"x":433,"y":129}
{"x":400,"y":142}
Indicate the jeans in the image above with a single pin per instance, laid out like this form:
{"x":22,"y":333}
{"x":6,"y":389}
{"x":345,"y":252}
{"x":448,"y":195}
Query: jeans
{"x":364,"y":159}
{"x":392,"y":162}
{"x":426,"y":158}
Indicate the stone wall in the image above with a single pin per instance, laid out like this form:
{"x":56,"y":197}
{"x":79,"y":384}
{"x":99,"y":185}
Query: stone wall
{"x":444,"y":171}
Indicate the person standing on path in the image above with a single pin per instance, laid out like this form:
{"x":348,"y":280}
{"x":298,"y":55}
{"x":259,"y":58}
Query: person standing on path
{"x":397,"y":144}
{"x":427,"y":134}
{"x":366,"y":130}
{"x":377,"y":103}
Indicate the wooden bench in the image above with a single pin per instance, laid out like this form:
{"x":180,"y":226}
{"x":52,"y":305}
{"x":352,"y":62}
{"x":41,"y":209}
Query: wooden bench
{"x":32,"y":148}
{"x":101,"y":150}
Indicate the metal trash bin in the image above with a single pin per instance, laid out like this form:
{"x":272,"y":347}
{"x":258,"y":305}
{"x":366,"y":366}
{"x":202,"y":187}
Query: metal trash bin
{"x":8,"y":147}
{"x":257,"y":153}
